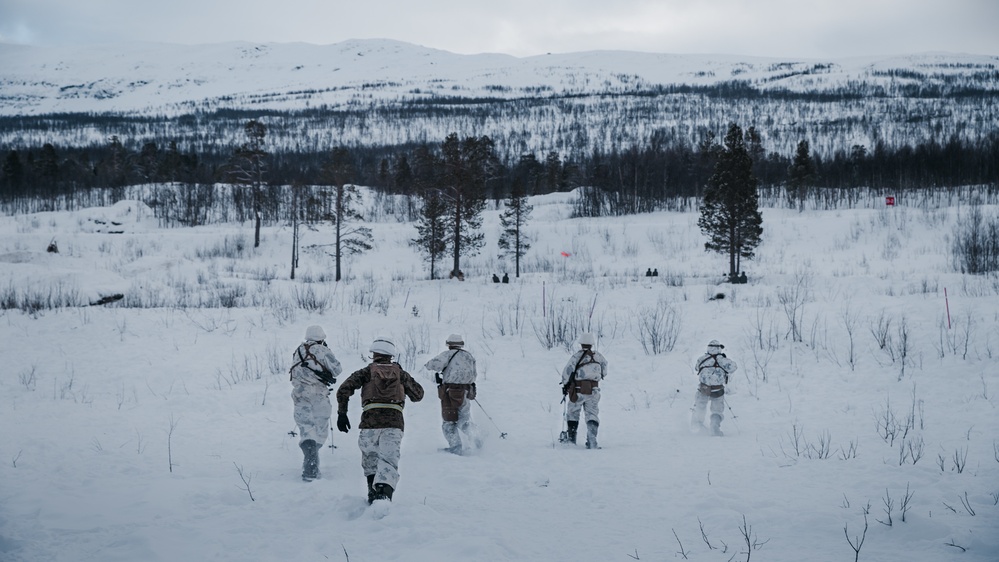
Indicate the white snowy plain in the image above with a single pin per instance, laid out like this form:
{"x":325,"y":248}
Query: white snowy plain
{"x":125,"y":431}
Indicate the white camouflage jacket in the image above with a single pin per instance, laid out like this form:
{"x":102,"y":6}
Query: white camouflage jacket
{"x":461,"y":369}
{"x":321,"y":356}
{"x":592,"y":368}
{"x":713,"y":370}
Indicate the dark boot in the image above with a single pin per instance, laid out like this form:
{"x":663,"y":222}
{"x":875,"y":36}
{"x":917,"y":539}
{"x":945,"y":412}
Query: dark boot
{"x":572,"y":426}
{"x":591,"y":434}
{"x":383,"y":492}
{"x":371,"y":489}
{"x":716,"y":420}
{"x":310,"y":463}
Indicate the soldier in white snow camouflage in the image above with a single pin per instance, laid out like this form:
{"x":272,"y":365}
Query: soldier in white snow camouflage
{"x":713,"y":369}
{"x":455,"y":377}
{"x":314,"y":368}
{"x":581,"y":384}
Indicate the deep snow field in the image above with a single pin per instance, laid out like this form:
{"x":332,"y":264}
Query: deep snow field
{"x":156,"y":428}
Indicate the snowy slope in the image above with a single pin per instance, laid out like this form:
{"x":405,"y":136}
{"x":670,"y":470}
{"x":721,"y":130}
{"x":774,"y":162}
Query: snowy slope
{"x":155,"y":78}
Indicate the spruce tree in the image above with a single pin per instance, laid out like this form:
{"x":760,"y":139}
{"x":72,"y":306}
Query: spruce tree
{"x":513,"y":240}
{"x":800,"y":176}
{"x":431,"y":229}
{"x":730,"y":214}
{"x":466,"y":166}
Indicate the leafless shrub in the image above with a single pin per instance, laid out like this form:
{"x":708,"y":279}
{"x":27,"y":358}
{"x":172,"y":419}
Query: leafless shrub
{"x":850,"y":318}
{"x":173,"y":426}
{"x":850,"y":452}
{"x":881,"y":329}
{"x":889,"y":504}
{"x":905,"y":504}
{"x":309,"y":298}
{"x":246,"y":481}
{"x":658,"y":327}
{"x":752,"y":543}
{"x":792,"y":300}
{"x":857,"y":542}
{"x":27,"y":378}
{"x":960,"y":459}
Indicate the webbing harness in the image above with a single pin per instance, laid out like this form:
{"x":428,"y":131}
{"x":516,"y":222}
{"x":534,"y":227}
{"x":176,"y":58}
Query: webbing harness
{"x":323,"y":375}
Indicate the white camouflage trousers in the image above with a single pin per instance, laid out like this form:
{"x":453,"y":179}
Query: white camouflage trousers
{"x":380,"y":452}
{"x":464,"y":424}
{"x":312,"y":412}
{"x":700,"y":405}
{"x":587,"y":403}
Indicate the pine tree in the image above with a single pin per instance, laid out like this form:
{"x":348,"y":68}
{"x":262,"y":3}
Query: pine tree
{"x":800,"y":176}
{"x":249,"y":167}
{"x":730,"y":214}
{"x":431,"y":229}
{"x":13,"y":175}
{"x":513,"y":240}
{"x":348,"y":240}
{"x":466,"y":166}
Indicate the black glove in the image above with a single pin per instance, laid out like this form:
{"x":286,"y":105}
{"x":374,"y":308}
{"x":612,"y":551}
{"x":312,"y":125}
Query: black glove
{"x":438,"y":379}
{"x":342,"y":423}
{"x":565,"y":389}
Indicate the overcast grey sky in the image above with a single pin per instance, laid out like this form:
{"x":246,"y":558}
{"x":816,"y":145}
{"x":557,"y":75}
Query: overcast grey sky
{"x":801,"y":28}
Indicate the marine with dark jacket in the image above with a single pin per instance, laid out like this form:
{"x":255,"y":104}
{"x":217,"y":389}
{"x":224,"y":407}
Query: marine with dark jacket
{"x":455,"y":377}
{"x":581,"y":384}
{"x":314,"y":369}
{"x":384,"y":387}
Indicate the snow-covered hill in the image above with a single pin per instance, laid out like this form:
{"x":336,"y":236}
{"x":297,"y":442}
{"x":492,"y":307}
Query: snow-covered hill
{"x":381,"y":92}
{"x":155,"y":78}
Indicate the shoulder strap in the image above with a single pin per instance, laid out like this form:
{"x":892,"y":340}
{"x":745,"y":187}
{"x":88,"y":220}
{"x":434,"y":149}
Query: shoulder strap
{"x":456,"y":352}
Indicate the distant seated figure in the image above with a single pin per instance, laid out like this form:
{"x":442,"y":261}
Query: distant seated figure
{"x":495,"y":278}
{"x":655,"y":272}
{"x":506,"y":278}
{"x":648,"y":272}
{"x":742,"y":278}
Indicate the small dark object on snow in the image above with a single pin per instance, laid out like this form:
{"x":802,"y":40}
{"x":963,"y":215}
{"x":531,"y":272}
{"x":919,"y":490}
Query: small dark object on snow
{"x":717,"y":297}
{"x":53,"y":248}
{"x":495,"y":278}
{"x":108,"y":299}
{"x":506,"y":278}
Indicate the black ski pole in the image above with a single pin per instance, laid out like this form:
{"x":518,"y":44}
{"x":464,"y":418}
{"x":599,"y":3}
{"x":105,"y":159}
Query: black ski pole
{"x":733,"y":415}
{"x":502,"y":433}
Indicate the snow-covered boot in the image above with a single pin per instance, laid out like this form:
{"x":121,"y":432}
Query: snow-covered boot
{"x":453,"y":438}
{"x":716,"y":425}
{"x":591,"y":434}
{"x":571,"y":428}
{"x":310,"y":463}
{"x":371,"y":489}
{"x":383,"y":492}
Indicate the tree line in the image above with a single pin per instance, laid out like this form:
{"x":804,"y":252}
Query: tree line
{"x":628,"y":180}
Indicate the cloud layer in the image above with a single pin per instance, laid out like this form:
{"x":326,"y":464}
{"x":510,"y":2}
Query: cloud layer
{"x":821,"y":28}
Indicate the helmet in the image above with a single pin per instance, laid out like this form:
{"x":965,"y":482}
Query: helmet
{"x":716,"y":343}
{"x":587,"y":339}
{"x":382,"y":346}
{"x":315,"y":333}
{"x":455,"y":339}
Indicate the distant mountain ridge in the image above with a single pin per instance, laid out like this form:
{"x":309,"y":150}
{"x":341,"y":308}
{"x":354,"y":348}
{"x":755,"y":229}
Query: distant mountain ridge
{"x":163,"y":78}
{"x":393,"y":93}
